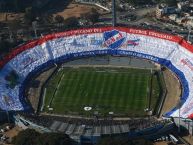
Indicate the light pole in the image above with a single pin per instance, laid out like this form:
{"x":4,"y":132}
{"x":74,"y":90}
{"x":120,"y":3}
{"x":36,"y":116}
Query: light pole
{"x":189,"y":31}
{"x":179,"y":105}
{"x":7,"y":112}
{"x":179,"y":121}
{"x":114,"y":13}
{"x":34,"y":26}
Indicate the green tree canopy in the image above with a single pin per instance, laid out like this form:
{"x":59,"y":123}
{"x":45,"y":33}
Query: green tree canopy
{"x":169,"y":2}
{"x":123,"y":141}
{"x":32,"y":137}
{"x":71,"y":22}
{"x":26,"y":137}
{"x":59,"y":19}
{"x":138,"y":2}
{"x":112,"y":141}
{"x":54,"y":139}
{"x":29,"y":15}
{"x":93,"y":16}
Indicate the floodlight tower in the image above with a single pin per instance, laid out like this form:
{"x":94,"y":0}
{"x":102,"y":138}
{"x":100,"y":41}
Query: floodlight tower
{"x":114,"y":13}
{"x":189,"y":32}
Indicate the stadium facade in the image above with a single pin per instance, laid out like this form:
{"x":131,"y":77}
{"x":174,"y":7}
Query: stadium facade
{"x":23,"y":62}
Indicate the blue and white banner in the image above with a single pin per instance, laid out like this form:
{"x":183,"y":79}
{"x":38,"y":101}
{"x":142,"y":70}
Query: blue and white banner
{"x":91,"y":42}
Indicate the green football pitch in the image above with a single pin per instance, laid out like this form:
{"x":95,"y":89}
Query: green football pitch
{"x":124,"y":91}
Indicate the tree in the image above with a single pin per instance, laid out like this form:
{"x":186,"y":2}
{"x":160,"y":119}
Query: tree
{"x":112,"y":141}
{"x":59,"y":19}
{"x":169,"y":2}
{"x":123,"y":141}
{"x":140,"y":2}
{"x":32,"y":137}
{"x":71,"y":22}
{"x":54,"y":139}
{"x":26,"y":137}
{"x":132,"y":2}
{"x":48,"y":18}
{"x":14,"y":25}
{"x":29,"y":15}
{"x":16,"y":4}
{"x":93,"y":16}
{"x":4,"y":46}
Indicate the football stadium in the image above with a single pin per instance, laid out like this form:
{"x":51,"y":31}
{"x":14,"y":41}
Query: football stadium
{"x":94,"y":82}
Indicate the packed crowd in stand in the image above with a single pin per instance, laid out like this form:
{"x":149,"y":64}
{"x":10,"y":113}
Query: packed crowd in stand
{"x":168,"y":50}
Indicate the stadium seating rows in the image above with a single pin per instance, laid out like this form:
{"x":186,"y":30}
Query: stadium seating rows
{"x":94,"y":126}
{"x":171,"y":51}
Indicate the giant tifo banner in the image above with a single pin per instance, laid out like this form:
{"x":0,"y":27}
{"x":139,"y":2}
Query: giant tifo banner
{"x":26,"y":60}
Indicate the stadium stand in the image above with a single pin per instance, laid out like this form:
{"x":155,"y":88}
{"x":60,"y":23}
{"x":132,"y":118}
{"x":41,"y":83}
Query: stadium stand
{"x":28,"y":59}
{"x":91,"y":127}
{"x":89,"y":130}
